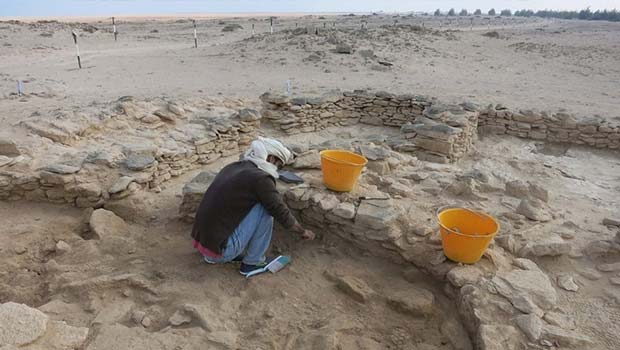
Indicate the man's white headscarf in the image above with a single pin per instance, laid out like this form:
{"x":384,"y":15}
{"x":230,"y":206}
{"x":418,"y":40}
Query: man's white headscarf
{"x":264,"y":147}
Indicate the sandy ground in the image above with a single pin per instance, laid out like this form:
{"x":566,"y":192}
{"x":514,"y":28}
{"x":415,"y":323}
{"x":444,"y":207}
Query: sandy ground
{"x":533,"y":63}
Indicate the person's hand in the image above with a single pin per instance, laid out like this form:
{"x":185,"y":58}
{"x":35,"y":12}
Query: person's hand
{"x":308,"y":235}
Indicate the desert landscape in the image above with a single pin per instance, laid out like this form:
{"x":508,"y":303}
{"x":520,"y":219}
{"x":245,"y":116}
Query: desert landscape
{"x":102,"y":168}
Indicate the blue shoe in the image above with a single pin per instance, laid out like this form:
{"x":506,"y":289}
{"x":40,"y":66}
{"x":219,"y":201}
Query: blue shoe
{"x":252,"y":270}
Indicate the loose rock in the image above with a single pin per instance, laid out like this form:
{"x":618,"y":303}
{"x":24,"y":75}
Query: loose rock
{"x":62,"y":247}
{"x":354,"y":287}
{"x":121,"y":184}
{"x":344,"y":210}
{"x":417,"y":301}
{"x":308,"y":160}
{"x":105,"y":224}
{"x":8,"y":148}
{"x":531,"y":325}
{"x":534,"y":210}
{"x":611,"y":222}
{"x":566,"y":282}
{"x":560,"y":320}
{"x":462,"y":275}
{"x":249,"y":115}
{"x":21,"y":325}
{"x":179,"y":318}
{"x":499,"y":337}
{"x":533,"y":284}
{"x":565,"y":338}
{"x":551,"y":245}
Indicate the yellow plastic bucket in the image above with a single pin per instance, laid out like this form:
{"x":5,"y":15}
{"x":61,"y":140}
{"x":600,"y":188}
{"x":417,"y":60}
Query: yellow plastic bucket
{"x":341,"y":169}
{"x":465,"y":233}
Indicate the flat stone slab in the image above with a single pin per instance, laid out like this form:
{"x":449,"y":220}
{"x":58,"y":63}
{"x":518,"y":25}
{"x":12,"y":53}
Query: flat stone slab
{"x":530,"y":284}
{"x":139,"y":162}
{"x":8,"y":148}
{"x":611,"y":222}
{"x":121,"y":184}
{"x":62,"y":169}
{"x":105,"y":224}
{"x":462,"y":275}
{"x":20,"y":324}
{"x":354,"y":287}
{"x":248,"y":115}
{"x":550,"y":245}
{"x":376,"y":214}
{"x":414,"y":301}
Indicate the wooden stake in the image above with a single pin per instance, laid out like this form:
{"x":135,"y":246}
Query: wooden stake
{"x":114,"y":29}
{"x":271,"y":24}
{"x":195,"y":35}
{"x":253,"y":31}
{"x":77,"y":49}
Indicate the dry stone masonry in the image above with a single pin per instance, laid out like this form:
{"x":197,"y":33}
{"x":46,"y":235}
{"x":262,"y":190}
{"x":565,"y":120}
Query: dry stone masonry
{"x":509,"y":304}
{"x":439,"y":131}
{"x":188,"y":135}
{"x":560,"y":127}
{"x":435,"y":131}
{"x":135,"y":144}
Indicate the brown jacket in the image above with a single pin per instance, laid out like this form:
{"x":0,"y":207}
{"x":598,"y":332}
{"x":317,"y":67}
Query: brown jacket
{"x":230,"y":197}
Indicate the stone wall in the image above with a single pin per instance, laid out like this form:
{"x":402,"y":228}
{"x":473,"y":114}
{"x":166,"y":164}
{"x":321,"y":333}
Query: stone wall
{"x":560,"y":127}
{"x":308,"y":114}
{"x":102,"y":175}
{"x":505,"y":302}
{"x":436,"y":131}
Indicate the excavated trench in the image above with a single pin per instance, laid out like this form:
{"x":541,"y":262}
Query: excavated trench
{"x":124,"y":275}
{"x":333,"y":295}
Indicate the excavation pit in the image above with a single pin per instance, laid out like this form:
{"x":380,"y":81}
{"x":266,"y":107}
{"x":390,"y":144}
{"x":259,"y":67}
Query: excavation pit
{"x":377,"y":277}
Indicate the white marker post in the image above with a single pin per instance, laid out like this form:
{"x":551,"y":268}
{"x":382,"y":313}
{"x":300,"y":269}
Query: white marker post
{"x":253,"y":31}
{"x":195,"y":35}
{"x":288,"y":87}
{"x":20,"y":88}
{"x":472,"y":24}
{"x":77,"y":49}
{"x":271,"y":24}
{"x":114,"y":29}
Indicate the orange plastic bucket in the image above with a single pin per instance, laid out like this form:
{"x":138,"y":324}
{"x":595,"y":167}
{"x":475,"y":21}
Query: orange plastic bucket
{"x":465,"y":233}
{"x":341,"y":169}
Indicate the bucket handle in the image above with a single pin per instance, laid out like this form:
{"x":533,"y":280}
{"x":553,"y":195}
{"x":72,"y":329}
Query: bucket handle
{"x":344,"y":162}
{"x":442,"y":208}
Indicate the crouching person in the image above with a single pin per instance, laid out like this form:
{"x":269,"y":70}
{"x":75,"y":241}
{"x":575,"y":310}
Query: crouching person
{"x":234,"y":221}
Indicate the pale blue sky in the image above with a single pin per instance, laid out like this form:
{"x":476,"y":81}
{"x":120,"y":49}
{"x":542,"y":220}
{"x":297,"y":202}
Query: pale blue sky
{"x":10,"y":8}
